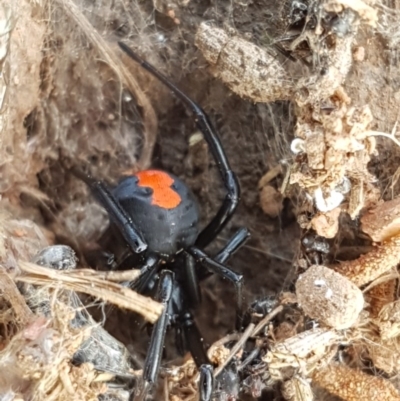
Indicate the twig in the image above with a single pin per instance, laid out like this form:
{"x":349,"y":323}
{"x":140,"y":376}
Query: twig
{"x":262,"y":323}
{"x":235,"y":349}
{"x":127,"y":275}
{"x":89,"y":283}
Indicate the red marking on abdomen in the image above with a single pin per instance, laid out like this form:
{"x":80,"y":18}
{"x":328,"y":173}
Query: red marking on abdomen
{"x":163,"y":195}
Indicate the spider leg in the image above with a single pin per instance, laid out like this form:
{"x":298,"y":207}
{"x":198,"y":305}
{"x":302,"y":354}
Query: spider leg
{"x":115,"y":211}
{"x":235,"y":242}
{"x":228,"y":176}
{"x":186,"y":298}
{"x":206,"y":382}
{"x":225,"y":272}
{"x":194,"y":340}
{"x":155,"y":351}
{"x":191,"y":281}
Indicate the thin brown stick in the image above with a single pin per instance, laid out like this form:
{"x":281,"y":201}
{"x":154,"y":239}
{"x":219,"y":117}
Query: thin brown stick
{"x":235,"y":349}
{"x":127,"y":275}
{"x":262,"y":323}
{"x":88,"y":282}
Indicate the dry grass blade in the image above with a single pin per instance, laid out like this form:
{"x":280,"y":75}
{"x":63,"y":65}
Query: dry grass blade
{"x":94,"y":284}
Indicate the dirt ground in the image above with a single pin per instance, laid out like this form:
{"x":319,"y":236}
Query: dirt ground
{"x":74,"y":99}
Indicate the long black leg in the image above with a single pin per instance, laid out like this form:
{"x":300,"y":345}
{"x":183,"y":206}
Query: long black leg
{"x":206,"y":382}
{"x":225,"y":272}
{"x":155,"y":351}
{"x":115,"y":211}
{"x":191,"y":282}
{"x":235,"y":242}
{"x":228,"y":176}
{"x":194,"y":340}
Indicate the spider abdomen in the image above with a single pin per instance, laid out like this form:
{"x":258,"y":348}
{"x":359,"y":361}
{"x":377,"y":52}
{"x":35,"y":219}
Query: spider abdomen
{"x":163,"y":207}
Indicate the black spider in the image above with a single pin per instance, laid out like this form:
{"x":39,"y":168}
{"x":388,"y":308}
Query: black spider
{"x":158,"y":217}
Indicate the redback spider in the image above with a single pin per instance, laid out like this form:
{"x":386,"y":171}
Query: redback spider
{"x":158,"y":217}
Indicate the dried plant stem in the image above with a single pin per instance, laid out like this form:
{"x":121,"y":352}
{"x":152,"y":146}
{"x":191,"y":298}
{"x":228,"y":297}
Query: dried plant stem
{"x":235,"y":349}
{"x":88,"y":283}
{"x":266,"y":320}
{"x":127,"y":275}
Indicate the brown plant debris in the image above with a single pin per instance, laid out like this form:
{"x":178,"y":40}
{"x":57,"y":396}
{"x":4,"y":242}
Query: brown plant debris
{"x":180,"y":382}
{"x":89,"y":282}
{"x":389,"y":320}
{"x":326,"y":224}
{"x":297,"y":389}
{"x":338,"y":150}
{"x":329,"y":297}
{"x":363,"y":9}
{"x":354,"y":385}
{"x":20,"y":45}
{"x":382,"y":221}
{"x":253,"y":72}
{"x":370,"y":266}
{"x":332,"y":142}
{"x":384,"y":354}
{"x":304,"y":352}
{"x":380,"y":295}
{"x":271,"y":201}
{"x":36,"y":362}
{"x":247,"y":69}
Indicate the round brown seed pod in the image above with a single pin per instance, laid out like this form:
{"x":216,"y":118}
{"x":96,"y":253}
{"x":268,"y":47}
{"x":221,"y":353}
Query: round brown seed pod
{"x":245,"y":68}
{"x":329,"y":297}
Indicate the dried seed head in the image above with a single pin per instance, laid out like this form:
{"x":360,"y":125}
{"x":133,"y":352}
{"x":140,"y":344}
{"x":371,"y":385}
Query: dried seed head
{"x":329,"y":297}
{"x":370,"y":266}
{"x":354,"y":385}
{"x":381,"y":295}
